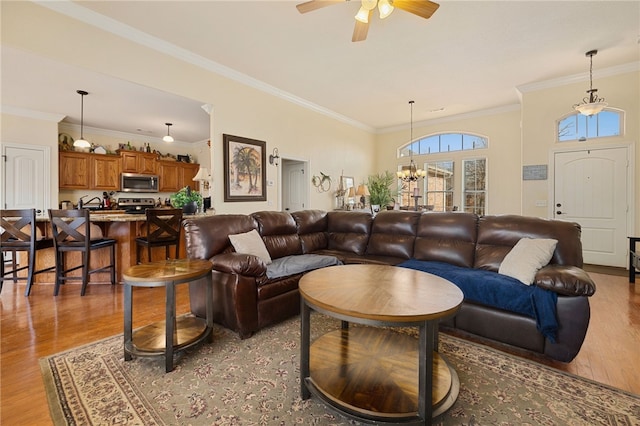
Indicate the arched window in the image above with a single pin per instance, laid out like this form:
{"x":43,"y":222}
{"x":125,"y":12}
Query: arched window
{"x":443,"y":142}
{"x":578,"y":127}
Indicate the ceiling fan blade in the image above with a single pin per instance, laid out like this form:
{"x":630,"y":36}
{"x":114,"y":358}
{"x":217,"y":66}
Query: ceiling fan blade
{"x":361,"y":29}
{"x":422,"y":8}
{"x":310,"y":6}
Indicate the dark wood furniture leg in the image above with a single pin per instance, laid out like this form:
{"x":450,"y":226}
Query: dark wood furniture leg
{"x":634,"y":260}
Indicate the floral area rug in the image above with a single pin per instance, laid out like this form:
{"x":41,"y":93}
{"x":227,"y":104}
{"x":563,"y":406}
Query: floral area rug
{"x":257,"y":382}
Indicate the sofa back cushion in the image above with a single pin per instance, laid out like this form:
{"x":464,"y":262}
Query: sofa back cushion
{"x":312,"y":229}
{"x":279,"y":232}
{"x":498,"y":234}
{"x":393,"y":234}
{"x":349,"y":231}
{"x":447,"y":237}
{"x":209,"y":235}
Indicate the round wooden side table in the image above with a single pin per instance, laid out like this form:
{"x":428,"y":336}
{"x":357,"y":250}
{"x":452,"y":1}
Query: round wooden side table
{"x":173,"y":334}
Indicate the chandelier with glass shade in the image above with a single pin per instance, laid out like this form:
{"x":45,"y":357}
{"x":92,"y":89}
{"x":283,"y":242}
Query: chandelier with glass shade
{"x":413,"y":173}
{"x":591,"y":104}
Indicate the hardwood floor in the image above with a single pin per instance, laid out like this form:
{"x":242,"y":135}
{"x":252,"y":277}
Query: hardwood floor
{"x":41,"y":325}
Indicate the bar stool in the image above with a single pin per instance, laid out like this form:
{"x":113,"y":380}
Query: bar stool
{"x":163,"y":229}
{"x":73,"y":231}
{"x":18,"y":232}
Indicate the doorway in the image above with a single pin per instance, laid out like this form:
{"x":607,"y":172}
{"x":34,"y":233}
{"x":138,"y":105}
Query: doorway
{"x":294,"y":187}
{"x":592,"y":188}
{"x":26,"y":177}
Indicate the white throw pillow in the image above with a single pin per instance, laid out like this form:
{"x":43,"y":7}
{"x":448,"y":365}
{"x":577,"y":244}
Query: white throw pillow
{"x":526,"y":257}
{"x":250,"y":243}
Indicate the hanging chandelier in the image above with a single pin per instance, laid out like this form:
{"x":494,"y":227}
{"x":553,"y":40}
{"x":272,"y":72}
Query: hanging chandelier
{"x":82,"y":143}
{"x":591,"y":104}
{"x":413,"y":173}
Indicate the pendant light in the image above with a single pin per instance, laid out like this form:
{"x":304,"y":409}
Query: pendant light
{"x":168,"y":138}
{"x":413,"y":173}
{"x":592,"y":104}
{"x":81,"y":143}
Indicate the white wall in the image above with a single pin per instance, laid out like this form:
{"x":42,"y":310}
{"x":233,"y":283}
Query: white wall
{"x":542,"y":107}
{"x":17,"y":129}
{"x":502,"y":128}
{"x":329,"y":146}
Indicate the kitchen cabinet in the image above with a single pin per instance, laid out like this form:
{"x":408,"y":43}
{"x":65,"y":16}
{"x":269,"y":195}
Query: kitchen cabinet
{"x":138,"y":162}
{"x":105,"y":172}
{"x":80,"y":170}
{"x":73,"y":170}
{"x":175,"y":175}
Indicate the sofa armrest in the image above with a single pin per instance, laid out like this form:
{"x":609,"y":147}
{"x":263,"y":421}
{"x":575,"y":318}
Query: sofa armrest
{"x":565,"y":280}
{"x":238,"y":263}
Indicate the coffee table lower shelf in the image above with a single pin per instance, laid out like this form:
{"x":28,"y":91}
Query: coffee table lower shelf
{"x":150,"y":339}
{"x":371,"y":374}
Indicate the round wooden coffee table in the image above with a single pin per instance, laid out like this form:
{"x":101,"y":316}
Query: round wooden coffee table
{"x":377,"y":374}
{"x":173,"y":334}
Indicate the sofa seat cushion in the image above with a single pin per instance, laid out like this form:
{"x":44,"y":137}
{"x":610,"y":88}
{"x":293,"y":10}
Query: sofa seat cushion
{"x":290,"y":265}
{"x":277,"y":286}
{"x":500,"y":291}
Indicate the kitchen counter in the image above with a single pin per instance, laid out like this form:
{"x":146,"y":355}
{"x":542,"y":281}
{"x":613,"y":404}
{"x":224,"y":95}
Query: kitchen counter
{"x":122,"y":227}
{"x":121,"y":216}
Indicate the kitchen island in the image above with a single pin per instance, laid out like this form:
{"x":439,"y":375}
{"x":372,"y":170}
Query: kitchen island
{"x":122,"y":227}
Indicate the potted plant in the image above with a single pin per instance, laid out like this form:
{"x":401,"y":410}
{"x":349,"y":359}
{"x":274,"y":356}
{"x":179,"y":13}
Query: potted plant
{"x":379,"y":189}
{"x":186,"y":199}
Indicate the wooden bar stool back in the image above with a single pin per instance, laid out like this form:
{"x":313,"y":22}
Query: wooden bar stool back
{"x":18,"y":232}
{"x":163,"y":229}
{"x":73,"y":232}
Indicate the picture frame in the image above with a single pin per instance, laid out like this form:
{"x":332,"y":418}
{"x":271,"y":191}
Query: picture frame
{"x":244,"y":165}
{"x":347,"y":182}
{"x":183,"y":158}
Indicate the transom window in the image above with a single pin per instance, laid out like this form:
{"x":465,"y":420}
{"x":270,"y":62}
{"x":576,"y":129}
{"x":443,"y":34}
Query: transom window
{"x":443,"y":142}
{"x":578,"y":127}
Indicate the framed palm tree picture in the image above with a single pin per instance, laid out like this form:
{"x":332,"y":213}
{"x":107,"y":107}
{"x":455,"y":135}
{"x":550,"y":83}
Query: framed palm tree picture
{"x":245,"y":177}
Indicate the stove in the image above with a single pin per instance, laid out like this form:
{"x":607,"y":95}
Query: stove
{"x":135,"y":205}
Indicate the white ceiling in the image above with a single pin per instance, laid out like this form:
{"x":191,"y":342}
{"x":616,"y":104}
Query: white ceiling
{"x":470,"y":56}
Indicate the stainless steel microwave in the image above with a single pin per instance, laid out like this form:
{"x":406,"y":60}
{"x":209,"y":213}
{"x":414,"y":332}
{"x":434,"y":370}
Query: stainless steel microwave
{"x":132,"y":182}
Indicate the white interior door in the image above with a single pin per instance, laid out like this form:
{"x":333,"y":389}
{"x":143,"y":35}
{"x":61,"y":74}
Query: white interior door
{"x":591,"y":189}
{"x":26,"y":177}
{"x":294,"y":194}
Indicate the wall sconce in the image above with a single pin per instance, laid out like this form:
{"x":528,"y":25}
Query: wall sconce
{"x":274,"y":157}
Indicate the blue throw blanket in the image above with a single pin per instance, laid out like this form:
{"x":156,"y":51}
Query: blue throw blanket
{"x":500,"y":291}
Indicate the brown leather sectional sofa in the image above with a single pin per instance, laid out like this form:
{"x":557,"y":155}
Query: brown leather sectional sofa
{"x":246,"y":300}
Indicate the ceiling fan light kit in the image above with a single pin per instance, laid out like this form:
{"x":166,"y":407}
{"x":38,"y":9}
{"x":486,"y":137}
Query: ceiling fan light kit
{"x":592,"y":104}
{"x":421,"y":8}
{"x":81,"y":143}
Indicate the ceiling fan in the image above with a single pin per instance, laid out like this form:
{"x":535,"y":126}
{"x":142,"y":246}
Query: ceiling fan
{"x":422,"y":8}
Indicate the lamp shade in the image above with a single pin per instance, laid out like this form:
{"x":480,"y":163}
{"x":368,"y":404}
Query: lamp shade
{"x":363,"y":190}
{"x":203,"y":174}
{"x":352,"y":192}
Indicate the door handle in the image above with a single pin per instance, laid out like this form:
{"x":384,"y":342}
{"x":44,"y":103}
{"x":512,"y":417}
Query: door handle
{"x":558,"y":212}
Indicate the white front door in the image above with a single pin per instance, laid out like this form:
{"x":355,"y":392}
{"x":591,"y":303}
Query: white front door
{"x":294,"y":193}
{"x":26,"y":178}
{"x":591,"y":189}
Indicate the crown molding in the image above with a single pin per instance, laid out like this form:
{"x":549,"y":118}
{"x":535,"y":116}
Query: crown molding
{"x":87,"y":16}
{"x":29,"y":113}
{"x":579,"y":78}
{"x":452,"y":118}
